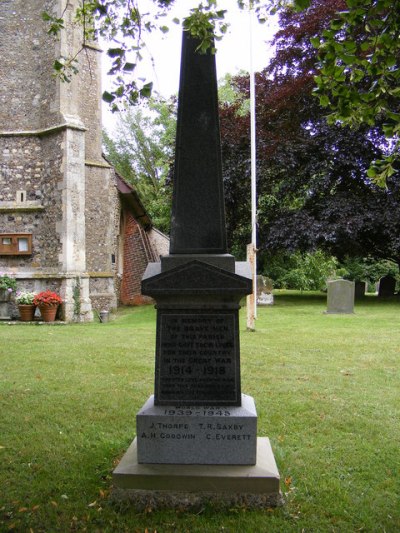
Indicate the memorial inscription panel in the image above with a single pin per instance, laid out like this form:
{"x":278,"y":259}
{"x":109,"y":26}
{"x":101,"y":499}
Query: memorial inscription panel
{"x":197,"y":358}
{"x":190,"y":434}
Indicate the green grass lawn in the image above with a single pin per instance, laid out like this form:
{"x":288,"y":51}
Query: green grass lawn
{"x":327,"y":393}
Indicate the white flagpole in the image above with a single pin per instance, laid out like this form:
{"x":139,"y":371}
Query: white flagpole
{"x":252,"y":249}
{"x":253,"y":160}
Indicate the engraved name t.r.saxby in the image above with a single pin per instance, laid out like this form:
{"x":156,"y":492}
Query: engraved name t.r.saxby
{"x":192,"y":429}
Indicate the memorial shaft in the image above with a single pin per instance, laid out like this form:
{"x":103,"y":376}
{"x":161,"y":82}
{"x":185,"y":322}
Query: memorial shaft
{"x":198,"y":212}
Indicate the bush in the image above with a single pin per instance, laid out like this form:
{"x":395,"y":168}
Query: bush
{"x":366,"y":269}
{"x":7,"y":282}
{"x":308,"y":271}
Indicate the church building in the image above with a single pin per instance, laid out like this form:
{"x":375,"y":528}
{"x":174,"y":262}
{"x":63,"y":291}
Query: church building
{"x":68,"y":221}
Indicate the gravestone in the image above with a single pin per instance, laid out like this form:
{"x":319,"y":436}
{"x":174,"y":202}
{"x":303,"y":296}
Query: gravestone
{"x":198,"y":428}
{"x":340,"y":297}
{"x":264,"y":291}
{"x":359,"y":289}
{"x":387,"y":287}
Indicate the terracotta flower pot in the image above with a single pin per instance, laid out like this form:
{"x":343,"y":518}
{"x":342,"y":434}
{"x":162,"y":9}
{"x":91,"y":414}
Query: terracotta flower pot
{"x":48,"y":312}
{"x":26,"y":312}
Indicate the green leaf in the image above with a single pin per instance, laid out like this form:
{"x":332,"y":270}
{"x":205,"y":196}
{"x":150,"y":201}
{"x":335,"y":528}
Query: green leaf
{"x":108,"y":97}
{"x":115,"y":52}
{"x":57,"y":65}
{"x":299,"y":5}
{"x":315,"y":41}
{"x":357,"y":75}
{"x":145,"y":91}
{"x":129,"y":67}
{"x":324,"y":100}
{"x":391,"y":61}
{"x":348,"y":59}
{"x":388,"y":130}
{"x":394,"y":116}
{"x":336,"y":24}
{"x":328,"y":34}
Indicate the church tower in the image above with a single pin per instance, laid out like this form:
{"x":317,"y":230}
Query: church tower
{"x":59,"y":210}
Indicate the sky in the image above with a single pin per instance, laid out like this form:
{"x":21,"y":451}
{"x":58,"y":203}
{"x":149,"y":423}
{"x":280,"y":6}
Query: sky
{"x":233,"y":52}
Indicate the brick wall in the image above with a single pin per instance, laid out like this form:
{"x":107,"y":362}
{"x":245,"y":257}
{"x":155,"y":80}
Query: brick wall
{"x":135,"y":262}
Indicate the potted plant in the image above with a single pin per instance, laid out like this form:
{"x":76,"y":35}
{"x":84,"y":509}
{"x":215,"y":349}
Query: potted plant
{"x":48,"y":303}
{"x":7,"y":286}
{"x":26,"y":307}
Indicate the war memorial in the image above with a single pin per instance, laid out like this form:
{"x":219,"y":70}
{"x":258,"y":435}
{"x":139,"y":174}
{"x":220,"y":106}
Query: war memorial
{"x":197,"y":435}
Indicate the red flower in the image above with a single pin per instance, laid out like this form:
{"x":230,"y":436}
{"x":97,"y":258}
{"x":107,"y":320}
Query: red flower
{"x":47,"y":298}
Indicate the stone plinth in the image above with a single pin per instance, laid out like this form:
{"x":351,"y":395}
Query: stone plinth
{"x":4,"y":304}
{"x":261,"y":478}
{"x":197,"y":435}
{"x":197,"y":345}
{"x":4,"y":314}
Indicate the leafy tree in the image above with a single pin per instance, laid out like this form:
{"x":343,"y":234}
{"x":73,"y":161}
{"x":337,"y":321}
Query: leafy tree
{"x":308,"y":271}
{"x":366,"y":269}
{"x":359,"y":78}
{"x":142,"y":152}
{"x":314,"y":192}
{"x":291,"y":127}
{"x":125,"y":26}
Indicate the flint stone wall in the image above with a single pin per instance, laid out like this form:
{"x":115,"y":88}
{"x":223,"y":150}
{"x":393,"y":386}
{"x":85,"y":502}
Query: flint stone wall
{"x":32,"y":164}
{"x":34,"y":105}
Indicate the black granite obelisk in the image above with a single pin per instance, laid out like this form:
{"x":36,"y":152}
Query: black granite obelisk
{"x":198,"y":210}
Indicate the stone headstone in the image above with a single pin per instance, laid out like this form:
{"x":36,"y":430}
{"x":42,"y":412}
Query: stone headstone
{"x":387,"y":287}
{"x":341,"y":296}
{"x":198,"y":414}
{"x":264,"y":291}
{"x":359,"y":289}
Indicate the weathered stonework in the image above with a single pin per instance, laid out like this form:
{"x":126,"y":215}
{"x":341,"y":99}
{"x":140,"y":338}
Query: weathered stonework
{"x":28,"y":53}
{"x":54,"y":182}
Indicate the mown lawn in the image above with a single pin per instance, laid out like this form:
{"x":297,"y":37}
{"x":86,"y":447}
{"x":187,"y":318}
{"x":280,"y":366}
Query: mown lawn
{"x":327,"y":391}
